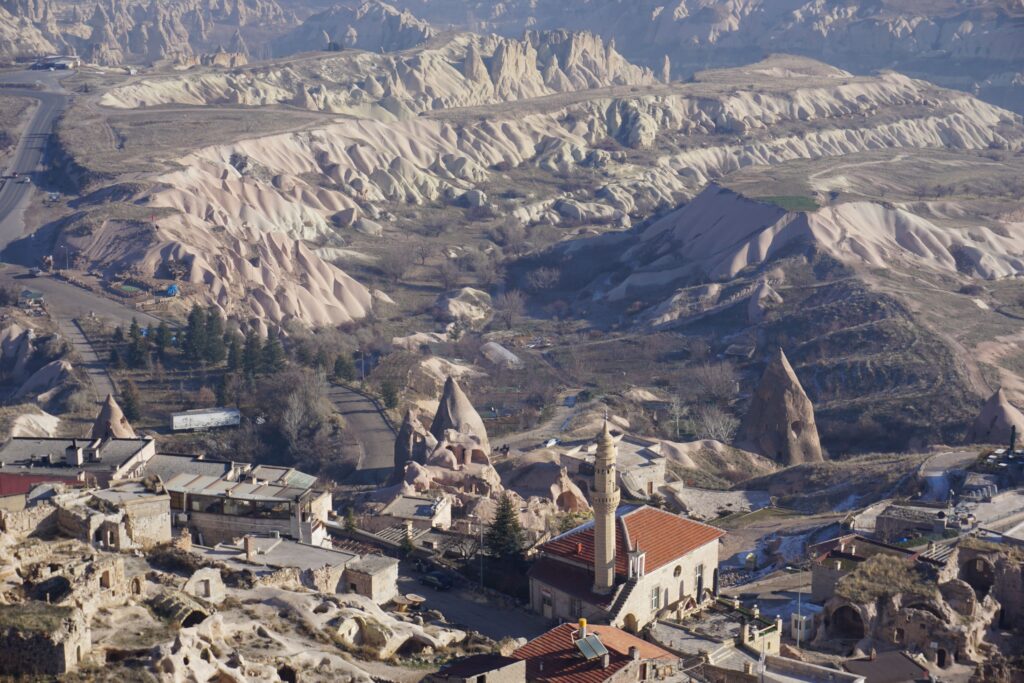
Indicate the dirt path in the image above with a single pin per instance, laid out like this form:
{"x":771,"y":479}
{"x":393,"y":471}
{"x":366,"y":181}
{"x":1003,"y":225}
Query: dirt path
{"x":91,"y":363}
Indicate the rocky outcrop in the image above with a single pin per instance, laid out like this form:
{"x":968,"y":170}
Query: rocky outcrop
{"x":414,"y":442}
{"x":780,"y":420}
{"x":111,"y":422}
{"x":455,"y":412}
{"x":467,"y":305}
{"x":998,"y":417}
{"x":764,"y":299}
{"x":372,"y":26}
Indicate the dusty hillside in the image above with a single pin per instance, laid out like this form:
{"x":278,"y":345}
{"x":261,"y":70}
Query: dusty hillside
{"x":973,"y":45}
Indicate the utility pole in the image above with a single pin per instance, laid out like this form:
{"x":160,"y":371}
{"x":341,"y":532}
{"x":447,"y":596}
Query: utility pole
{"x":480,"y":552}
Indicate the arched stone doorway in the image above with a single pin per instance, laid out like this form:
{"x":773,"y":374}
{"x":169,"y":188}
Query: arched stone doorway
{"x":846,"y":624}
{"x":136,"y":586}
{"x":193,"y":619}
{"x":630,"y":624}
{"x":941,"y":658}
{"x":979,"y":575}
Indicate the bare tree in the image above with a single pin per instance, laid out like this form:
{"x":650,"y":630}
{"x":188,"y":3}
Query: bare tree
{"x":423,"y":251}
{"x":511,"y":236}
{"x":714,"y":423}
{"x":447,"y":274}
{"x":543,"y":278}
{"x":395,"y":263}
{"x":508,"y":306}
{"x":713,"y":383}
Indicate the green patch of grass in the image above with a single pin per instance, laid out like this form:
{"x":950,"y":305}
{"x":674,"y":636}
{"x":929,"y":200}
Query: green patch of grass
{"x":792,"y":202}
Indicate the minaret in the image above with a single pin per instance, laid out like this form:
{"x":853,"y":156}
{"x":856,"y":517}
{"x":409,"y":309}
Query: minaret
{"x":605,"y":497}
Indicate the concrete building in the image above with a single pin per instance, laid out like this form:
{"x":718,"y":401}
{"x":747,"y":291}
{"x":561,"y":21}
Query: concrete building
{"x":41,"y":640}
{"x":264,"y":500}
{"x":629,"y":564}
{"x":902,"y":521}
{"x":419,"y":512}
{"x":94,"y":461}
{"x":322,"y":569}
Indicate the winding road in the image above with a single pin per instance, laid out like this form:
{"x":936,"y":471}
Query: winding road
{"x":27,"y":159}
{"x":374,"y":435}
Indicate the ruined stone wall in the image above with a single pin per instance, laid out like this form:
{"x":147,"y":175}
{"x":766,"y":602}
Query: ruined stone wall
{"x":77,"y":523}
{"x":824,"y":577}
{"x":149,"y":522}
{"x":206,"y":584}
{"x":40,"y":520}
{"x":32,"y":653}
{"x":288,"y":577}
{"x":325,"y":579}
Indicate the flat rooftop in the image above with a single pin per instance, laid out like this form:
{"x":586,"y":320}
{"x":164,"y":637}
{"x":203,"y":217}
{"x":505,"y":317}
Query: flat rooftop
{"x":46,"y":455}
{"x":284,"y":489}
{"x":167,"y":465}
{"x":278,"y":553}
{"x":126,"y":493}
{"x":411,"y":507}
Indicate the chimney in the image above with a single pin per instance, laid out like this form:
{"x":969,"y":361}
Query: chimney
{"x":839,"y":566}
{"x":606,"y":659}
{"x":757,"y":611}
{"x":748,"y":668}
{"x":579,"y":548}
{"x":634,"y":653}
{"x":250,"y":549}
{"x":73,"y":455}
{"x":853,"y":550}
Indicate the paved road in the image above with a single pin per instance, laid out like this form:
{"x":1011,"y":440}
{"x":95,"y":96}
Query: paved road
{"x":93,"y":365}
{"x":936,"y":472}
{"x":375,"y":437}
{"x":466,"y":608}
{"x":29,"y":154}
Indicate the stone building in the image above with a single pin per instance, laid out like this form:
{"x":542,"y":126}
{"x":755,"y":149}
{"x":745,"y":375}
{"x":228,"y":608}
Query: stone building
{"x":39,"y":639}
{"x":833,"y":559}
{"x":629,"y":564}
{"x":899,"y":521}
{"x":323,"y":569}
{"x":417,"y":512}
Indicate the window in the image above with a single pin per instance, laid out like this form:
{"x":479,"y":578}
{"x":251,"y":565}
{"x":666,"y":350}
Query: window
{"x":655,"y":598}
{"x":575,"y":607}
{"x":677,"y":571}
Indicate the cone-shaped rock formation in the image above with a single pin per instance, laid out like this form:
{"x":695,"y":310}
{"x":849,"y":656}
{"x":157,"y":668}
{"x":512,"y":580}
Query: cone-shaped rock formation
{"x":995,"y":421}
{"x":456,"y":412}
{"x":780,"y":421}
{"x":111,"y":422}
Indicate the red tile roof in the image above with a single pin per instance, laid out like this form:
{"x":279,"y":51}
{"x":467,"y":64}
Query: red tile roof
{"x":663,"y":536}
{"x":554,"y":657}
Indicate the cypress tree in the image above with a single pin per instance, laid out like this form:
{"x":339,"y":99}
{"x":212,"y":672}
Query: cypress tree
{"x":214,"y":350}
{"x":195,"y":334}
{"x":251,"y":353}
{"x":131,"y":401}
{"x":234,"y":352}
{"x":162,"y":339}
{"x":273,"y":355}
{"x":344,"y":368}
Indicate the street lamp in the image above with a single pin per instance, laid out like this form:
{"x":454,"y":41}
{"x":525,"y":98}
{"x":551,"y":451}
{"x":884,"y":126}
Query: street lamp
{"x":67,"y":257}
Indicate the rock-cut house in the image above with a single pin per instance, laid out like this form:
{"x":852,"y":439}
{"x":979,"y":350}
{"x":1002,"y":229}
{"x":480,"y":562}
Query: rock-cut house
{"x":628,"y":565}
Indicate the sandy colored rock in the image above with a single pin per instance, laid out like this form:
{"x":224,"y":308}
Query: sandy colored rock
{"x":457,"y":413}
{"x":996,"y":420}
{"x":780,"y":420}
{"x":111,"y":422}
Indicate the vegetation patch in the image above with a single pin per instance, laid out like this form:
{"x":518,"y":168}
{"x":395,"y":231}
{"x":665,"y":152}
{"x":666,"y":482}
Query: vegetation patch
{"x":882,"y":576}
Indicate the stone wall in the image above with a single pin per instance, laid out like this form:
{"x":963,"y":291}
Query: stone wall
{"x":25,"y":652}
{"x":214,"y":529}
{"x":206,"y":584}
{"x":40,"y":520}
{"x":149,"y":522}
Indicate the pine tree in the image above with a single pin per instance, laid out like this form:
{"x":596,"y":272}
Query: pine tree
{"x":251,"y":354}
{"x":118,"y":335}
{"x":344,"y":369}
{"x":214,"y":350}
{"x":504,"y":536}
{"x":134,"y":331}
{"x":116,"y":361}
{"x":195,"y":334}
{"x":273,"y":355}
{"x":131,"y":401}
{"x":138,"y":346}
{"x":389,"y":394}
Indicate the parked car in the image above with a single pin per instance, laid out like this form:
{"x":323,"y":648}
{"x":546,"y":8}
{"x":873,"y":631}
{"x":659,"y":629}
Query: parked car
{"x":437,"y":581}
